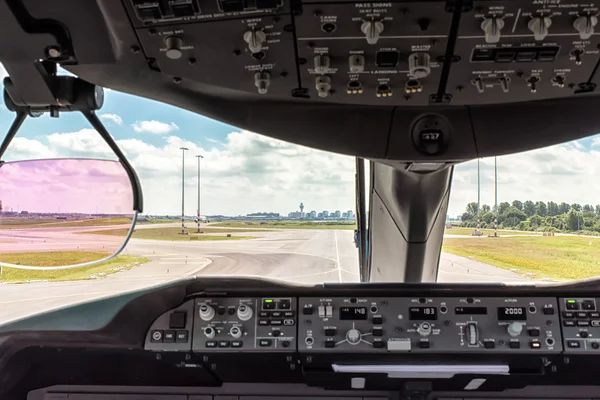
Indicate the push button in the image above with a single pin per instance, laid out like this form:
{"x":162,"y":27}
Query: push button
{"x":514,"y":345}
{"x":588,"y":305}
{"x":276,"y":314}
{"x":330,"y":344}
{"x":285,"y":304}
{"x":378,"y":345}
{"x":237,"y":344}
{"x":583,"y":323}
{"x":568,"y":314}
{"x":377,"y":320}
{"x":169,"y":337}
{"x":182,"y":337}
{"x":211,"y":344}
{"x":307,"y":310}
{"x":548,"y":310}
{"x":534,"y":344}
{"x":582,"y":315}
{"x":572,"y":305}
{"x":377,"y":332}
{"x":289,"y":314}
{"x":156,"y":336}
{"x":268,"y":304}
{"x":424,"y":345}
{"x":568,"y":323}
{"x":224,"y":343}
{"x":263,"y":322}
{"x":264,"y":314}
{"x":265,"y":342}
{"x":489,"y":345}
{"x":330,"y":332}
{"x":573,"y":344}
{"x":533,"y":332}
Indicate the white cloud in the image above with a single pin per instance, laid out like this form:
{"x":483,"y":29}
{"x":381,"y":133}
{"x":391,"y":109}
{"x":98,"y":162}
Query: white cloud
{"x":558,"y":173}
{"x":155,"y":127}
{"x":596,"y":142}
{"x":112,"y":117}
{"x":245,"y":173}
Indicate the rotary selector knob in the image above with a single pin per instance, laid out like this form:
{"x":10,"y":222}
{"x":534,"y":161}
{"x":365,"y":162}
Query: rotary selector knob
{"x":372,"y":30}
{"x":491,"y":27}
{"x":174,"y":45}
{"x":418,"y":65}
{"x":255,"y":40}
{"x":585,"y":26}
{"x":262,"y":80}
{"x":514,"y":329}
{"x":539,"y":26}
{"x":206,"y":312}
{"x":209,"y":332}
{"x":424,"y":329}
{"x":235,"y":332}
{"x":353,"y":336}
{"x":244,"y":312}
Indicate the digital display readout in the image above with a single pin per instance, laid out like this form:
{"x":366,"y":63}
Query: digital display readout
{"x":512,"y":314}
{"x":422,"y":313}
{"x":470,"y":310}
{"x":353,"y":313}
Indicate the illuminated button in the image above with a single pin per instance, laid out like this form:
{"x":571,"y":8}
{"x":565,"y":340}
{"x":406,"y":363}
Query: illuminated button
{"x":579,"y":323}
{"x":265,"y":342}
{"x":514,"y":345}
{"x":236,"y":344}
{"x":573,"y":344}
{"x":169,"y":337}
{"x":289,"y":322}
{"x":330,"y":344}
{"x":330,"y":332}
{"x":548,"y":310}
{"x":424,"y":345}
{"x":568,"y":314}
{"x":588,"y":305}
{"x":535,"y":344}
{"x":572,"y":304}
{"x":489,"y":345}
{"x":581,"y":315}
{"x":321,"y":311}
{"x":377,"y":320}
{"x":329,"y":311}
{"x":378,"y":345}
{"x":595,"y":323}
{"x":156,"y":336}
{"x":284,"y":304}
{"x":377,"y":332}
{"x":568,"y":323}
{"x":307,"y":310}
{"x":268,"y":304}
{"x":533,"y":332}
{"x":210,"y":344}
{"x":224,"y":343}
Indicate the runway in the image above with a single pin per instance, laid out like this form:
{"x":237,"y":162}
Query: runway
{"x":297,"y":256}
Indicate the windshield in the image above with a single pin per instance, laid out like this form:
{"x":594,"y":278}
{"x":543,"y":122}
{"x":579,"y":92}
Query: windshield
{"x":219,"y":200}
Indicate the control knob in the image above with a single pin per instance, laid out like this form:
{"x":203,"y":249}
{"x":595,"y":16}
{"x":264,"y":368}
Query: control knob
{"x":372,"y":30}
{"x":322,"y":62}
{"x":539,"y":26}
{"x":206,"y":312}
{"x":255,"y":39}
{"x":353,"y":336}
{"x":236,"y":332}
{"x":472,"y":334}
{"x":174,"y":45}
{"x":585,"y":26}
{"x":491,"y":27}
{"x":244,"y":312}
{"x":514,"y":329}
{"x":323,"y":85}
{"x":418,"y":65}
{"x":424,"y":329}
{"x":209,"y":332}
{"x":262,"y":80}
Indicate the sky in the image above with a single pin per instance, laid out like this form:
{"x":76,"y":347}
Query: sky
{"x":244,"y":172}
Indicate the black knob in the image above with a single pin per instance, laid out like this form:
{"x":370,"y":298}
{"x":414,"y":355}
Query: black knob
{"x":174,"y":45}
{"x":276,"y":333}
{"x":583,"y":334}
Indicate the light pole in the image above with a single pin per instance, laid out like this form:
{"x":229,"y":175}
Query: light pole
{"x":478,"y":199}
{"x":183,"y":150}
{"x":198,"y":209}
{"x":496,"y":196}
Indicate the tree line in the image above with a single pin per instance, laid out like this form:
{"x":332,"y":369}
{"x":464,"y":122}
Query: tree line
{"x":535,"y":216}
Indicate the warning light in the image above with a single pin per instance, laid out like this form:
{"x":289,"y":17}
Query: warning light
{"x":571,"y":301}
{"x":268,"y":300}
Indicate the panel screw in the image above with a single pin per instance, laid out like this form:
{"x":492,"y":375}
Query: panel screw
{"x":192,"y":60}
{"x":152,"y":32}
{"x":177,"y":79}
{"x":135,"y":49}
{"x":237,"y":52}
{"x":283,"y":74}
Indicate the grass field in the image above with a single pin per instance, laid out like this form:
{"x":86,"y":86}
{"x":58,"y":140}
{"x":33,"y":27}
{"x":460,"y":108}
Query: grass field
{"x":457,"y":230}
{"x":22,"y":223}
{"x":557,"y":257}
{"x":172,"y":234}
{"x":57,"y":258}
{"x":288,"y":225}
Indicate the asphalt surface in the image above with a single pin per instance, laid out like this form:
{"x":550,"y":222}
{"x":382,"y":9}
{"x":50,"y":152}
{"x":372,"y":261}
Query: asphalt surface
{"x":298,"y":256}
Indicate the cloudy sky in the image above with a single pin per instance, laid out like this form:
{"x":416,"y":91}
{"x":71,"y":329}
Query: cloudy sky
{"x":245,"y":172}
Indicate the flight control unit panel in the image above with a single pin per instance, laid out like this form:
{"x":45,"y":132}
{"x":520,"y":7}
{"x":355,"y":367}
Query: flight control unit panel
{"x":378,"y":52}
{"x":549,"y":325}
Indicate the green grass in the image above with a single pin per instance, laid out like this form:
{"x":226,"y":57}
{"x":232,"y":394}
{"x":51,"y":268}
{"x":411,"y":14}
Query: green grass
{"x":171,"y":234}
{"x":18,"y":223}
{"x":557,"y":257}
{"x":58,"y":258}
{"x":288,"y":225}
{"x":457,"y":230}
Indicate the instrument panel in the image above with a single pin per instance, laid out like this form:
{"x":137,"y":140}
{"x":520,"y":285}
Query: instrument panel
{"x":279,"y":324}
{"x":397,"y":53}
